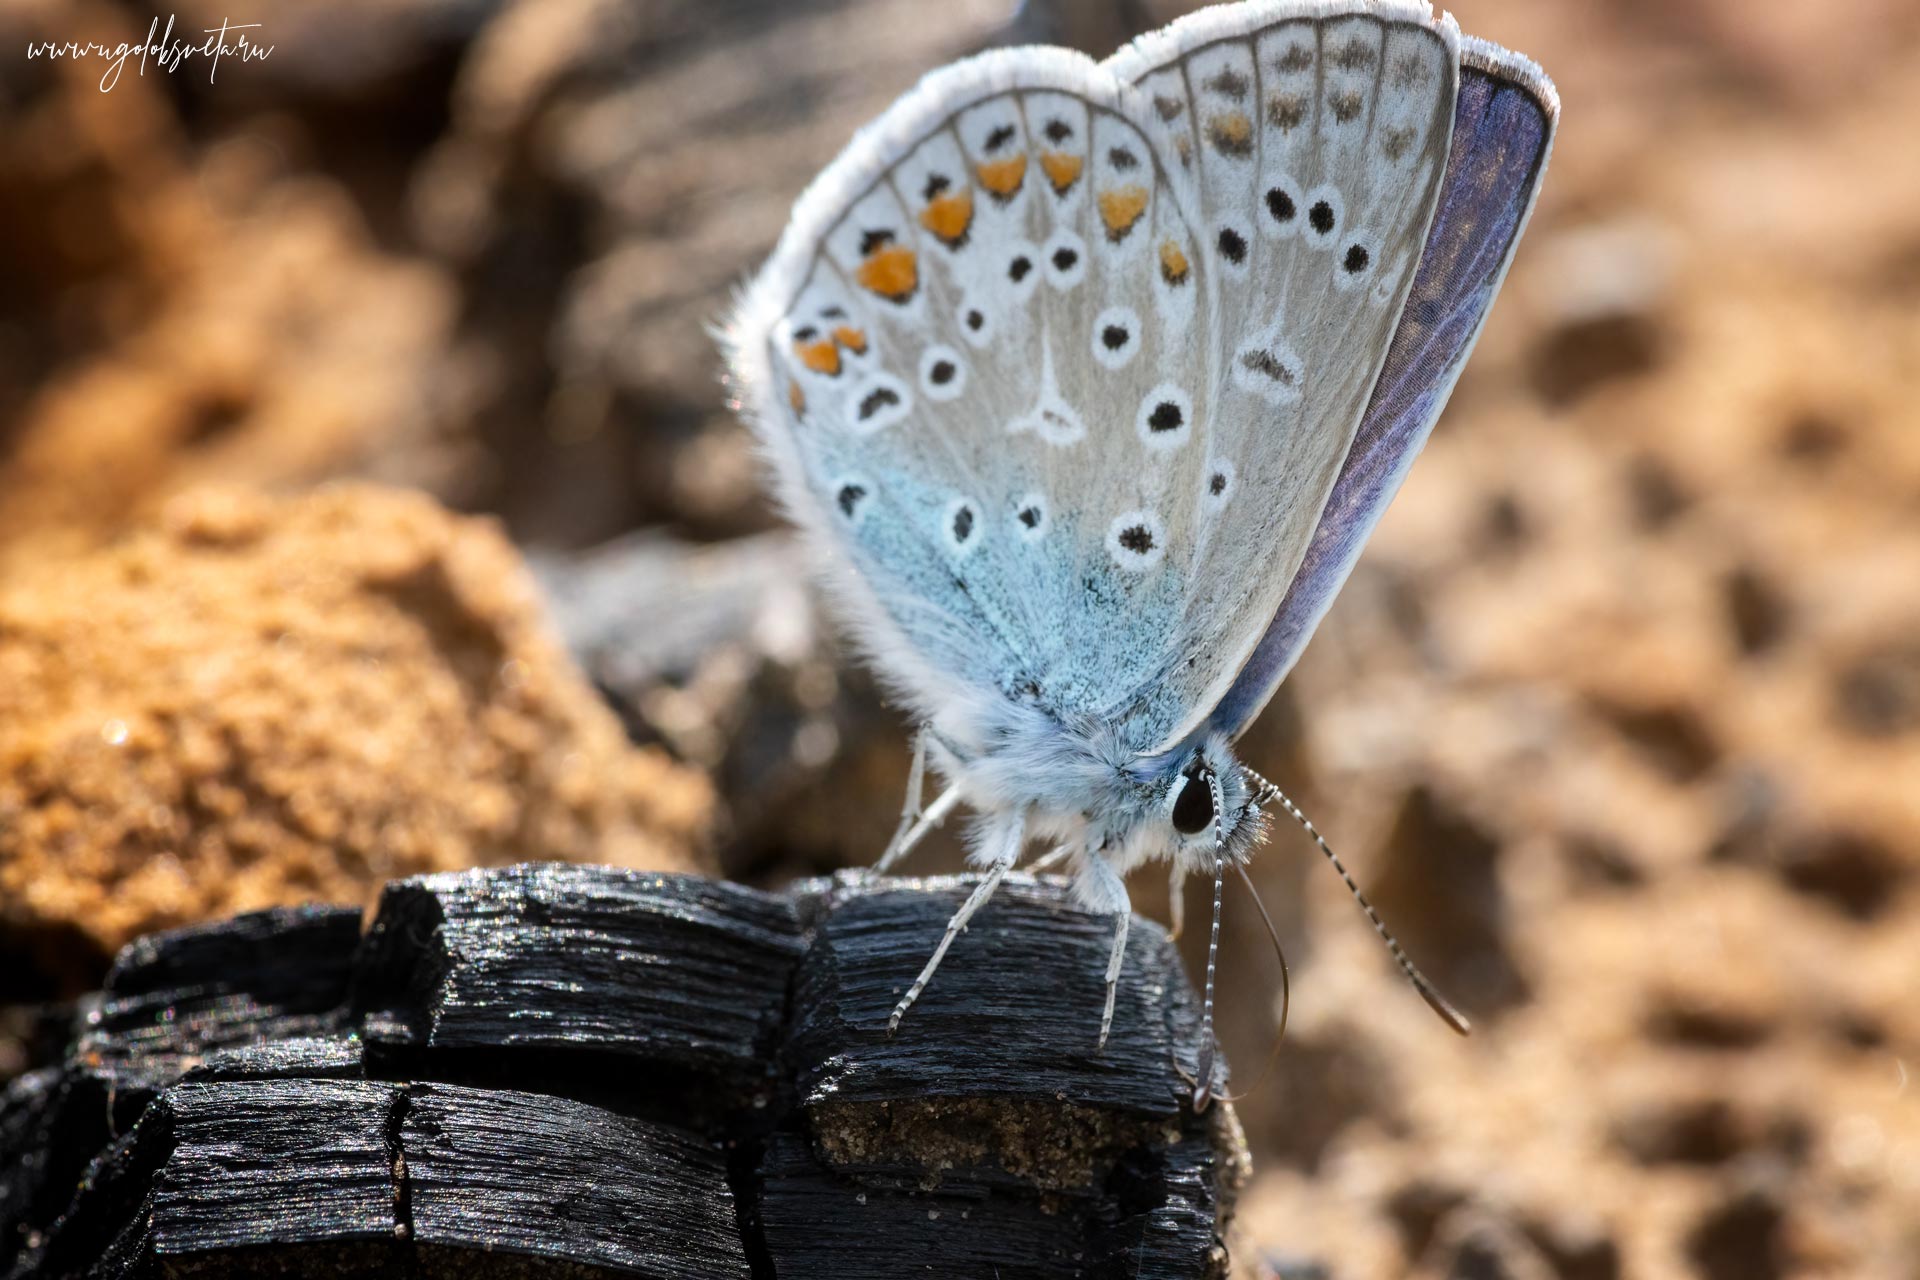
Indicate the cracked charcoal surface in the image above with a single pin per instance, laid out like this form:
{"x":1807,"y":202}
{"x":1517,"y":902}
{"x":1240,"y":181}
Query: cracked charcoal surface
{"x":1022,"y":999}
{"x":558,"y":1070}
{"x":567,"y":957}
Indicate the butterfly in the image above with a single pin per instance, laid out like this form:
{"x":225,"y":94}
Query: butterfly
{"x":1087,"y":382}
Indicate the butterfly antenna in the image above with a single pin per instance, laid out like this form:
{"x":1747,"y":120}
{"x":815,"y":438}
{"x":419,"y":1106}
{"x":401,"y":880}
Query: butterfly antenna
{"x":1203,"y":1093}
{"x":1202,"y":1080}
{"x":1435,"y":1001}
{"x":1286,"y":988}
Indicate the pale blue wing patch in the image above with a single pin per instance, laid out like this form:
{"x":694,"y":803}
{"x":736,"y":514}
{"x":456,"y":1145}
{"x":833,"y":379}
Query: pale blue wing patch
{"x":1502,"y":136}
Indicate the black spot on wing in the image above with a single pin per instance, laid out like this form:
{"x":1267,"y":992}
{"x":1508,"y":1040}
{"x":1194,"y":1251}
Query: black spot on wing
{"x":1228,"y":83}
{"x":877,"y":399}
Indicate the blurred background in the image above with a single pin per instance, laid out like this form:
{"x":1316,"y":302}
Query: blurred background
{"x":369,"y":503}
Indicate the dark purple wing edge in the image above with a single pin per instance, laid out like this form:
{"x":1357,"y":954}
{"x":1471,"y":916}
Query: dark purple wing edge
{"x":1504,"y":121}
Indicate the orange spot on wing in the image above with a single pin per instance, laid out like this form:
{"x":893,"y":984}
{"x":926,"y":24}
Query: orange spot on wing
{"x":948,"y":217}
{"x":854,"y":340}
{"x":1231,"y":133}
{"x":1120,"y":208}
{"x":1173,"y":263}
{"x":891,"y":272}
{"x":1061,"y":169}
{"x":796,"y":397}
{"x":821,"y":356}
{"x":1002,"y":177}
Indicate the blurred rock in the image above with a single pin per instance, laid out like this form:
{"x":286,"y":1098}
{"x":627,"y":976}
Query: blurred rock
{"x":1094,"y":27}
{"x":722,"y":654}
{"x":261,"y":702}
{"x":180,"y":313}
{"x":1611,"y":284}
{"x":609,"y":179}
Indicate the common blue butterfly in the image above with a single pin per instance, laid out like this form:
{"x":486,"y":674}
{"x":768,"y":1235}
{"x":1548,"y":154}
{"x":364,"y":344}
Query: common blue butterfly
{"x":1088,"y":381}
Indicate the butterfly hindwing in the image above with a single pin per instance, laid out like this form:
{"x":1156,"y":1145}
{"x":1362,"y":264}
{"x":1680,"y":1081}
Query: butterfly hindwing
{"x":1310,"y":142}
{"x":1502,"y":136}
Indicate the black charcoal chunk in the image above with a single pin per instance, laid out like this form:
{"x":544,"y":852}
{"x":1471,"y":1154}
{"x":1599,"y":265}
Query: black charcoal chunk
{"x":27,"y":1111}
{"x":171,"y":999}
{"x":1013,"y":1013}
{"x":65,"y":1118}
{"x":276,"y":1162}
{"x":667,"y":968}
{"x":103,"y":1231}
{"x":335,"y":1057}
{"x":1168,"y":1200}
{"x":267,"y":974}
{"x":586,"y":1072}
{"x":523,"y":1173}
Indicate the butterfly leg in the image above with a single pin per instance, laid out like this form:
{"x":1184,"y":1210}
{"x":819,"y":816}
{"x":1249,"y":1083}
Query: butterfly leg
{"x":1102,"y":889}
{"x":1050,"y":859}
{"x":916,"y":822}
{"x":1003,"y":853}
{"x":1176,"y":902}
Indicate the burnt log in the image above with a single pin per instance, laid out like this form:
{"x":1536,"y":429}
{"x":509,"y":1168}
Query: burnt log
{"x":566,"y":1070}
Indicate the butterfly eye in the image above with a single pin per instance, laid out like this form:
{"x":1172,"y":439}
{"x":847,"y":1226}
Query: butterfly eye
{"x":1192,"y":805}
